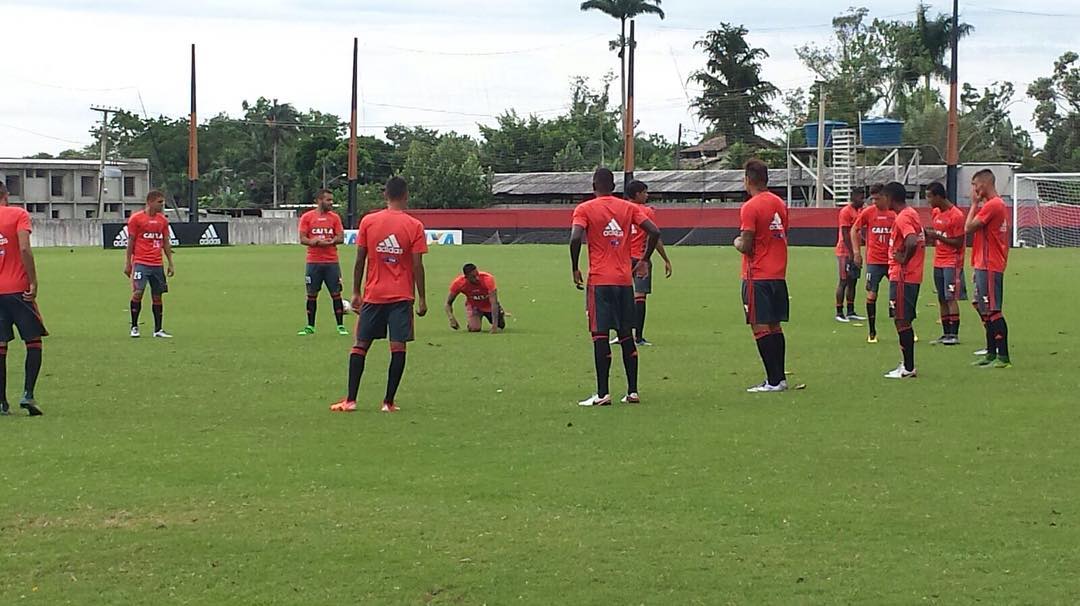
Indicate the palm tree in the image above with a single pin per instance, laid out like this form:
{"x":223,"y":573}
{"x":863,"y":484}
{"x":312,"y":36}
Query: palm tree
{"x":935,"y":35}
{"x":735,"y":99}
{"x":623,"y":10}
{"x":282,"y":123}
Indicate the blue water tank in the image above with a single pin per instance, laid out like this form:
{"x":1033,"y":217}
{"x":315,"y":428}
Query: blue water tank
{"x":810,"y":128}
{"x":882,"y":132}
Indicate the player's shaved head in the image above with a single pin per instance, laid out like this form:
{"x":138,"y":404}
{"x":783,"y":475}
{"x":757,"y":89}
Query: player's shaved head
{"x":936,"y":189}
{"x":895,"y":193}
{"x":323,"y":192}
{"x":603,"y":181}
{"x":154,"y":195}
{"x":468,"y":268}
{"x":756,"y":173}
{"x":397,"y":190}
{"x":635,"y":188}
{"x":876,"y":188}
{"x":985,"y":176}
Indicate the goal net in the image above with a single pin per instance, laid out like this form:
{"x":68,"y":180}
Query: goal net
{"x":1046,"y":210}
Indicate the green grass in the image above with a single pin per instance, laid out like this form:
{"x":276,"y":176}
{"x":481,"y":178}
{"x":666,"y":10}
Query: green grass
{"x":207,"y":469}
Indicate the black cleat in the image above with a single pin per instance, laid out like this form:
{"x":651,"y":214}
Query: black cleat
{"x":4,"y":408}
{"x":29,"y":405}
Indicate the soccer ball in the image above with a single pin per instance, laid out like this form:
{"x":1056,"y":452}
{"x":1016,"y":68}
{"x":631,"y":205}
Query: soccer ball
{"x":346,"y":305}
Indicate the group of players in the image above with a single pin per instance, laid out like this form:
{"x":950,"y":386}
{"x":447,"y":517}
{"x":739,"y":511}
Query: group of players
{"x":895,"y":247}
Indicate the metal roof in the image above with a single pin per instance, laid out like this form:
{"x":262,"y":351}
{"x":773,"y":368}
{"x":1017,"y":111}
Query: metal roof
{"x":139,"y":163}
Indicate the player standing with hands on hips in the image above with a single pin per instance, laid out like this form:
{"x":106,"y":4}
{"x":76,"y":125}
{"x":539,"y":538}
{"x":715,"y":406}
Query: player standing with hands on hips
{"x":148,"y":238}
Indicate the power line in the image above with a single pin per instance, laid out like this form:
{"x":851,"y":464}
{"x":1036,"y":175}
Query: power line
{"x":43,"y":135}
{"x":521,"y":51}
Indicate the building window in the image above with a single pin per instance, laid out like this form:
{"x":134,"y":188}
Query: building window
{"x":129,"y":187}
{"x":87,"y":187}
{"x":14,"y":185}
{"x":55,"y":214}
{"x":112,"y":208}
{"x":90,"y":214}
{"x":57,"y":186}
{"x":127,"y":213}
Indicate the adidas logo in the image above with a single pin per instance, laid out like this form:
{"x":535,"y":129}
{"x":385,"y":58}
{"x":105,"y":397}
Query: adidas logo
{"x":121,"y":239}
{"x":613,"y":229}
{"x":390,"y":246}
{"x":173,"y":240}
{"x":777,"y":224}
{"x":209,"y":237}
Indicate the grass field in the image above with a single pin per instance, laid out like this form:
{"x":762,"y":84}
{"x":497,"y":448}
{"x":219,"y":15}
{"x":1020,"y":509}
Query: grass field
{"x":207,"y":469}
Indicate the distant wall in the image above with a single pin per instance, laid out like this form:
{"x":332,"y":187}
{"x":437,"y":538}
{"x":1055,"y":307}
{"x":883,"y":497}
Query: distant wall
{"x":87,"y":232}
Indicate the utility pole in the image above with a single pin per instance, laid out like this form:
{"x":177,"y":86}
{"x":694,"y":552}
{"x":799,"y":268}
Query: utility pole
{"x":103,"y":135}
{"x":952,"y":151}
{"x":628,"y":122}
{"x":820,"y":192}
{"x":350,"y":213}
{"x":678,"y":146}
{"x":193,"y":152}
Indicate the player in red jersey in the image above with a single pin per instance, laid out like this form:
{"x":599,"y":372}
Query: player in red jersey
{"x":605,"y":223}
{"x":391,"y":244}
{"x":845,"y":257}
{"x":481,"y":300}
{"x":877,"y":221}
{"x":18,"y":301}
{"x":321,"y":231}
{"x":638,"y":193}
{"x":947,"y":234}
{"x":148,"y":237}
{"x":762,"y":241}
{"x":988,"y":222}
{"x":907,"y":246}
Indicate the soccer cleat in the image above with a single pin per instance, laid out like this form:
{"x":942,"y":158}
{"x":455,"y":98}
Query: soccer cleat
{"x":643,"y":343}
{"x":871,"y":339}
{"x":855,"y":317}
{"x":305,"y":331}
{"x":631,"y":398}
{"x":389,"y":407}
{"x":343,"y":406}
{"x":764,"y":387}
{"x":843,"y":319}
{"x":901,"y":373}
{"x":940,"y":340}
{"x":613,"y":340}
{"x":30,"y":406}
{"x":979,"y":352}
{"x":986,"y":362}
{"x":1002,"y":363}
{"x":134,"y":332}
{"x":161,"y":334}
{"x":341,"y":330}
{"x":4,"y":408}
{"x":596,"y":400}
{"x":950,"y":340}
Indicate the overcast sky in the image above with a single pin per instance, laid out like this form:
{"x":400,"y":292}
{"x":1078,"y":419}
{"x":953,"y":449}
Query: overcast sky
{"x":446,"y":65}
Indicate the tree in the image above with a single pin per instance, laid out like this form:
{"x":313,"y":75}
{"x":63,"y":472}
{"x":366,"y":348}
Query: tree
{"x":570,"y":158}
{"x":850,"y":67}
{"x":447,"y":174}
{"x":735,"y":100}
{"x":1058,"y":114}
{"x":935,"y":38}
{"x":281,"y":120}
{"x":623,"y":10}
{"x":986,"y":131}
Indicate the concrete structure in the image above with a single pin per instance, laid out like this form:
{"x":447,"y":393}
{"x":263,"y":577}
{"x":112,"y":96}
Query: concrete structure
{"x":68,"y":189}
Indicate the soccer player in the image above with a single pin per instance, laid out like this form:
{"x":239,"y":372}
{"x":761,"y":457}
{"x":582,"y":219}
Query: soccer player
{"x":877,"y":220}
{"x":988,"y":221}
{"x":638,"y":193}
{"x":845,"y":258}
{"x":948,"y":235}
{"x":391,"y":244}
{"x":605,"y":223}
{"x":18,"y":293}
{"x":481,"y":300}
{"x":762,"y":240}
{"x":321,"y":232}
{"x":907,"y":248}
{"x":148,"y":237}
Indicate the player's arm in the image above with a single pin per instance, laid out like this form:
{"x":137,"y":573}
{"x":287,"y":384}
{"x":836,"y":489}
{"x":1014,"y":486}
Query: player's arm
{"x":129,"y":254}
{"x":849,"y":244}
{"x":358,"y":276}
{"x":421,"y":284}
{"x":855,"y":243}
{"x":449,"y":309}
{"x":28,"y":263}
{"x":167,"y":247}
{"x":745,"y":242}
{"x":663,"y":255}
{"x":577,"y":234}
{"x":955,"y":242}
{"x":642,"y":270}
{"x":910,"y":243}
{"x":493,"y":299}
{"x":340,"y":237}
{"x":973,"y":223}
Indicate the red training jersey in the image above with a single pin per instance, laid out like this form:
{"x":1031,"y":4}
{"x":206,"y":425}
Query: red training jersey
{"x":990,"y":246}
{"x":846,"y":218}
{"x":766,"y":215}
{"x":315,"y":224}
{"x":149,"y":233}
{"x":639,"y":239}
{"x":391,"y":238}
{"x":907,"y":223}
{"x":607,"y":221}
{"x":13,"y":278}
{"x":950,"y":224}
{"x":476,"y":295}
{"x":878,"y":225}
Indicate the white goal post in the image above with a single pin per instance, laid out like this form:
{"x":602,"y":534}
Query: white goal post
{"x":1046,"y":210}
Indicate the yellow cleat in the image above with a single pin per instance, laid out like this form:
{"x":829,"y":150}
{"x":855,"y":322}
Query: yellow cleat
{"x":871,"y":339}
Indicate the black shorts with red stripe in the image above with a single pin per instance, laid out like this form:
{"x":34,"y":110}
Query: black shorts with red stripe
{"x":903,"y":300}
{"x":377,"y":320}
{"x":765,"y":301}
{"x":15,"y":311}
{"x":989,"y":291}
{"x":846,"y":268}
{"x":949,"y":283}
{"x":610,"y":308}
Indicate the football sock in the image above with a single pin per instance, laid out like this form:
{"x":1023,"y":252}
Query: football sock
{"x":602,"y":357}
{"x":357,"y":357}
{"x":33,"y":366}
{"x":136,"y":309}
{"x":339,"y":310}
{"x":851,"y":297}
{"x":907,"y":346}
{"x":764,"y":347}
{"x":991,"y":342}
{"x":630,"y":362}
{"x":781,"y":356}
{"x":871,"y":315}
{"x":840,"y":309}
{"x":157,"y":308}
{"x":3,"y":372}
{"x":397,"y":370}
{"x":841,"y":288}
{"x":312,"y":305}
{"x":640,"y":305}
{"x":1001,"y":337}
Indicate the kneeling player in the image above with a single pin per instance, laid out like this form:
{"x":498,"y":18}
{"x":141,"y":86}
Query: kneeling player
{"x":481,"y":300}
{"x":908,"y":247}
{"x":392,"y":245}
{"x":18,"y":290}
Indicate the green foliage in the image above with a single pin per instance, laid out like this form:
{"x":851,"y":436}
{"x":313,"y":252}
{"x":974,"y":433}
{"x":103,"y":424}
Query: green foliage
{"x":447,"y":174}
{"x":1058,"y":114}
{"x":735,"y":99}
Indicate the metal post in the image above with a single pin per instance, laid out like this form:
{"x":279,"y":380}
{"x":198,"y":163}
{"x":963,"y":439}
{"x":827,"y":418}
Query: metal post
{"x":952,"y":152}
{"x":678,"y":147}
{"x":628,"y":123}
{"x":193,"y":152}
{"x":820,"y":191}
{"x":351,"y":211}
{"x":103,"y":134}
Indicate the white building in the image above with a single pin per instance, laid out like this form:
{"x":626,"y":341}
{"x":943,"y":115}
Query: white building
{"x":68,"y":189}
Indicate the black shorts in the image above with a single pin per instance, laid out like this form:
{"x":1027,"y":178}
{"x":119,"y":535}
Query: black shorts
{"x":874,"y":275}
{"x":903,"y":300}
{"x":488,"y":316}
{"x":989,"y":291}
{"x":154,"y":275}
{"x":18,"y":312}
{"x":642,"y":286}
{"x":317,"y":274}
{"x":378,"y":319}
{"x":765,"y":301}
{"x":949,"y":282}
{"x":610,"y":308}
{"x":846,"y":268}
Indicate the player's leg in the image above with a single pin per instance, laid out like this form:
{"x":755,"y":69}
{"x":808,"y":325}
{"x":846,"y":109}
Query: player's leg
{"x":312,"y":286}
{"x":841,"y":288}
{"x":960,"y":287}
{"x":852,"y":287}
{"x":983,"y":305}
{"x":370,"y":325}
{"x":33,"y":369}
{"x":998,"y":327}
{"x":597,"y":306}
{"x":474,"y":320}
{"x":764,"y":312}
{"x":941,"y":286}
{"x":139,"y":280}
{"x":332,"y":279}
{"x":874,"y":275}
{"x":31,"y":328}
{"x":626,"y":321}
{"x":902,"y":309}
{"x":158,"y":287}
{"x":642,"y":290}
{"x":401,"y":329}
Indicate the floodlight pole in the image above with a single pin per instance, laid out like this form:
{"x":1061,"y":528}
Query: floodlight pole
{"x":193,"y":152}
{"x":628,"y":117}
{"x":952,"y":150}
{"x":350,"y":218}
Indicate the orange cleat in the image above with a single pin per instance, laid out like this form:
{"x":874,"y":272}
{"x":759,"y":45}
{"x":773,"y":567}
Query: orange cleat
{"x":343,"y":406}
{"x":389,"y":407}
